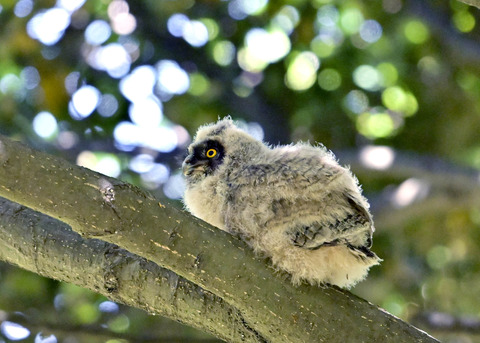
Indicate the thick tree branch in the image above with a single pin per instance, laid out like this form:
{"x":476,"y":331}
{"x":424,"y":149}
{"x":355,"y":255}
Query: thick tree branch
{"x":41,"y":244}
{"x":97,"y":206}
{"x":475,"y":3}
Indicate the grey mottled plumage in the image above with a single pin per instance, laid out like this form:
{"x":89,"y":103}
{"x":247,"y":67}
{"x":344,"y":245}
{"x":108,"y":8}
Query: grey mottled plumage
{"x":293,"y":203}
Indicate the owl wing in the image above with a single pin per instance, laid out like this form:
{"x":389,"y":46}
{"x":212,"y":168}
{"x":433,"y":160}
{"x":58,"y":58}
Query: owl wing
{"x":351,"y":225}
{"x":318,"y":202}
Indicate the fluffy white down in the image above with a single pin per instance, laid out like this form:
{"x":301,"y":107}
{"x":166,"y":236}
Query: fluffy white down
{"x":261,"y":193}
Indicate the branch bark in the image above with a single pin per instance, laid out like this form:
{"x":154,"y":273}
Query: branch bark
{"x":475,"y":3}
{"x":40,"y":244}
{"x":271,"y":308}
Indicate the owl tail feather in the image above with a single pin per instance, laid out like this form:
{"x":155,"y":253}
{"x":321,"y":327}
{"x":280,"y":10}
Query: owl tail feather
{"x":363,"y":253}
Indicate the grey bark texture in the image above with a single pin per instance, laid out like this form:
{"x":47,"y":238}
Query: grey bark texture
{"x":475,"y":3}
{"x":262,"y":305}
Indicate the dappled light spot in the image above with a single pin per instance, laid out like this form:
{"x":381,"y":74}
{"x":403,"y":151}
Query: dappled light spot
{"x":213,"y":28}
{"x":240,"y":9}
{"x":392,"y":6}
{"x":174,"y":187}
{"x":128,"y":136}
{"x":67,"y":139}
{"x":416,"y":32}
{"x":113,"y":58}
{"x":183,"y":137}
{"x":139,"y":84}
{"x":117,"y":7}
{"x":388,"y":74}
{"x":172,"y":79}
{"x":371,"y":31}
{"x":176,"y":23}
{"x":70,"y":5}
{"x":224,"y":52}
{"x":464,"y":21}
{"x":356,"y":101}
{"x":124,"y":24}
{"x":255,"y":130}
{"x":108,"y":105}
{"x":23,"y":8}
{"x":286,"y":19}
{"x":44,"y":124}
{"x":410,"y":191}
{"x":141,"y":163}
{"x":39,"y":338}
{"x":105,"y":163}
{"x":199,"y":84}
{"x":119,"y":323}
{"x":158,"y":174}
{"x":351,"y":19}
{"x":244,"y":84}
{"x":194,"y":32}
{"x":84,"y":102}
{"x":429,"y":66}
{"x":71,"y":82}
{"x":395,"y":304}
{"x":377,"y":157}
{"x":367,"y":77}
{"x":108,"y":307}
{"x":467,"y":80}
{"x":163,"y":139}
{"x":375,"y":124}
{"x":146,"y":112}
{"x":397,"y":99}
{"x":248,"y":61}
{"x":329,"y":79}
{"x":327,"y":15}
{"x":49,"y":26}
{"x":97,"y":32}
{"x":261,"y":48}
{"x":14,"y":331}
{"x":323,"y":45}
{"x":302,"y":71}
{"x":30,"y":77}
{"x":11,"y":84}
{"x":122,"y":21}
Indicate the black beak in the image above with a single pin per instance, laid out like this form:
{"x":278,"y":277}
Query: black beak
{"x":191,"y":165}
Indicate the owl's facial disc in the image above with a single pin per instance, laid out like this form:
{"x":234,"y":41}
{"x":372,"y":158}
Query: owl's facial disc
{"x":203,"y":159}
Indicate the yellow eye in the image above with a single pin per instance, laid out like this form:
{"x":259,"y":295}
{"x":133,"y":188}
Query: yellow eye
{"x":211,"y":153}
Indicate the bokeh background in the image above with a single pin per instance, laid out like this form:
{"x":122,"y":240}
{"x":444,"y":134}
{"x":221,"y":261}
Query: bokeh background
{"x":391,"y":86}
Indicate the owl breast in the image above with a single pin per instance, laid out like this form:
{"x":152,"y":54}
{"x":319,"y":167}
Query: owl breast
{"x":203,"y":201}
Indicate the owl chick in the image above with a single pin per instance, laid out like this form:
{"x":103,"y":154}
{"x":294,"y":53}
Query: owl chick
{"x":294,"y":203}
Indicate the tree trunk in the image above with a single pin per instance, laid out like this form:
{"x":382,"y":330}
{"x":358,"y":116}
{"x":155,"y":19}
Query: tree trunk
{"x":241,"y":291}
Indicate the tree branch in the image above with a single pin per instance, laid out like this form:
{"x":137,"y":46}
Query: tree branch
{"x":40,"y":244}
{"x":97,"y":206}
{"x":475,"y":3}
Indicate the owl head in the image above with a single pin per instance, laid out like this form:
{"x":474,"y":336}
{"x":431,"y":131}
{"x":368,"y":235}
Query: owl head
{"x":216,"y":146}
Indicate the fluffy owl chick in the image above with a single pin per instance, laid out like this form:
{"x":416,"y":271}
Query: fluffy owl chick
{"x":294,"y":203}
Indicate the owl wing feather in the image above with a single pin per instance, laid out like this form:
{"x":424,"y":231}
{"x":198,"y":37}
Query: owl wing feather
{"x":317,"y":200}
{"x":354,"y":228}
